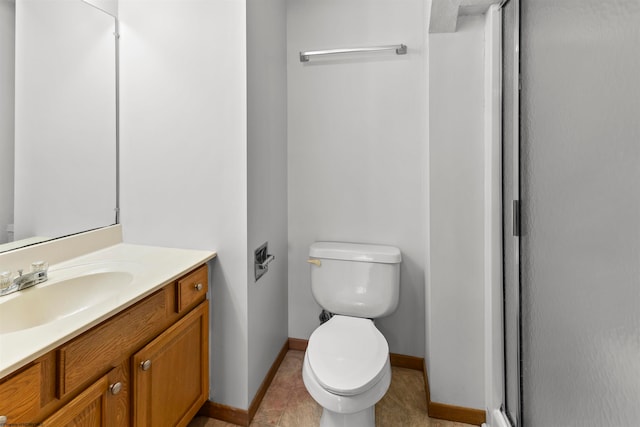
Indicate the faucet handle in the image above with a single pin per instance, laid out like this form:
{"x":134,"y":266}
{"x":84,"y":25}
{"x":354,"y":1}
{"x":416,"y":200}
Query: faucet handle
{"x":5,"y":279}
{"x":20,"y":271}
{"x":39,"y":266}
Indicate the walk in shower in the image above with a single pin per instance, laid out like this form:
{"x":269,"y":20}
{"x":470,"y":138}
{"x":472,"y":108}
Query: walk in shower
{"x":572,"y":277}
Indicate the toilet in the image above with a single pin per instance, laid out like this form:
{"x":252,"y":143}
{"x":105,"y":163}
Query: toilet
{"x":346,"y":366}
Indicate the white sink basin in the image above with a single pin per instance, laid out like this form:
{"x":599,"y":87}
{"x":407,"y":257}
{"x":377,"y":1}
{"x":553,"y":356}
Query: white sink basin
{"x":49,"y":302}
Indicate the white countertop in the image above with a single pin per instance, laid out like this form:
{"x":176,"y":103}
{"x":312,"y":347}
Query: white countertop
{"x":151,"y":269}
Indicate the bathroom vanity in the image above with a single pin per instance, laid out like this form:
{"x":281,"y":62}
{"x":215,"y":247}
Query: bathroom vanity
{"x":138,"y":358}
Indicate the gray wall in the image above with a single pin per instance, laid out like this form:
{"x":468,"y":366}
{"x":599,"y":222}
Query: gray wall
{"x":184,"y":155}
{"x":455,"y":300}
{"x":357,"y":151}
{"x":205,"y":156}
{"x":267,"y":181}
{"x":357,"y":168}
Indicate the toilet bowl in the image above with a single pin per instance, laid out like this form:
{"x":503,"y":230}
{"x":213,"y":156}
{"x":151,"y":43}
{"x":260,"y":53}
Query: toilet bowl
{"x":346,"y":367}
{"x":347,"y":371}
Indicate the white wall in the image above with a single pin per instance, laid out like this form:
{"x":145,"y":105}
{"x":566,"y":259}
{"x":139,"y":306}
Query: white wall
{"x":267,"y":182}
{"x":357,"y":143}
{"x":65,"y":118}
{"x":7,"y":81}
{"x":456,"y":277}
{"x":184,"y":154}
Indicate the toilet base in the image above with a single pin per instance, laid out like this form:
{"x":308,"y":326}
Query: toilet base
{"x":354,"y":411}
{"x":366,"y":418}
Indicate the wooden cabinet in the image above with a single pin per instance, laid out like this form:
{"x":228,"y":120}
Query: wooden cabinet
{"x":96,"y":378}
{"x":25,"y":393}
{"x":103,"y":403}
{"x":190,"y":289}
{"x":117,"y":338}
{"x":168,"y":380}
{"x":20,"y":395}
{"x":87,"y":410}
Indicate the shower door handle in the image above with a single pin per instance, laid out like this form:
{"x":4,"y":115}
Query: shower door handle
{"x":515,"y":217}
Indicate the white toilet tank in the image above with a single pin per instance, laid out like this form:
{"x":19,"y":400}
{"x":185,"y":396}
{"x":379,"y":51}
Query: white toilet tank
{"x":355,"y":279}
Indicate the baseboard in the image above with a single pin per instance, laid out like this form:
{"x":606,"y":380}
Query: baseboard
{"x":450,"y":412}
{"x":225,"y":413}
{"x":243,"y":417}
{"x":298,"y":344}
{"x":262,"y":390}
{"x":425,"y":377}
{"x":457,"y":413}
{"x":408,"y":362}
{"x":397,"y":360}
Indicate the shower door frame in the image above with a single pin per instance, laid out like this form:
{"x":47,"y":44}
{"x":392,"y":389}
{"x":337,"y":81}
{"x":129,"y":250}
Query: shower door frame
{"x":511,"y":220}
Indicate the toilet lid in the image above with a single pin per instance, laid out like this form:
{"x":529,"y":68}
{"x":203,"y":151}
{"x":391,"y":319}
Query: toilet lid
{"x":347,"y":355}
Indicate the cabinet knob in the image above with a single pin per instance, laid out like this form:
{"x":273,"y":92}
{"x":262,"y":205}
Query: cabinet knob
{"x":146,"y":365}
{"x":115,"y":388}
{"x":198,"y":286}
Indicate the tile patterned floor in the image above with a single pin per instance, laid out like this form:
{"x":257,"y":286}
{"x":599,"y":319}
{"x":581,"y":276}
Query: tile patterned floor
{"x":288,"y":404}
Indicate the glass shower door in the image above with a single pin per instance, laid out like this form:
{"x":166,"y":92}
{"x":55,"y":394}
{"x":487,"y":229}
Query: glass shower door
{"x":580,"y":190}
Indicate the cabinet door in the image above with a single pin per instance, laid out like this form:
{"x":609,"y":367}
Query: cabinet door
{"x":20,"y":396}
{"x":170,"y":375}
{"x":99,"y":405}
{"x":89,"y":409}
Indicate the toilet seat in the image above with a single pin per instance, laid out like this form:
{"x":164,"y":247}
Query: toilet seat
{"x":347,"y":355}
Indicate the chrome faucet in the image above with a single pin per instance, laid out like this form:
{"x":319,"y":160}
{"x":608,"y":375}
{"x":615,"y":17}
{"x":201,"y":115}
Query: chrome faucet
{"x":24,"y":281}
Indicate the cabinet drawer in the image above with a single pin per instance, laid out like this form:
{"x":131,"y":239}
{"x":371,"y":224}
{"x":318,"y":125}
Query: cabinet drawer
{"x":92,"y":354}
{"x":20,"y":395}
{"x":192,"y":289}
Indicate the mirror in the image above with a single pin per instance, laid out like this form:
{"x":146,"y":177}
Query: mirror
{"x":58,"y":118}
